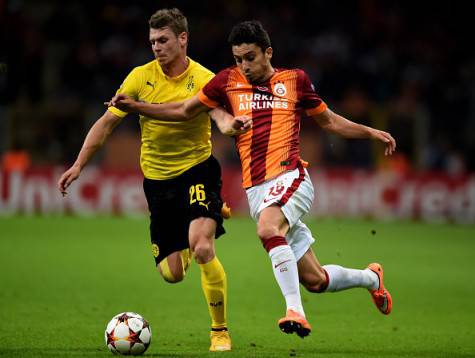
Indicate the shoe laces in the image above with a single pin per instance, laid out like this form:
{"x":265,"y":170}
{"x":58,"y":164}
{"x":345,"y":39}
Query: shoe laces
{"x":220,"y":337}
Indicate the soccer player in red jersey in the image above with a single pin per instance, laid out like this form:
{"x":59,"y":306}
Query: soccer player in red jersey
{"x":277,"y":184}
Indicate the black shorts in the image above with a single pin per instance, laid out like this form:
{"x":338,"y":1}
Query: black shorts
{"x":174,"y":203}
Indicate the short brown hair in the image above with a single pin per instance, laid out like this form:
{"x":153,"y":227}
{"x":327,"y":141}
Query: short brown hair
{"x":172,"y":18}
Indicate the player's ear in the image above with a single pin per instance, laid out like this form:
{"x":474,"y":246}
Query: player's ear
{"x":268,"y":53}
{"x":183,"y":38}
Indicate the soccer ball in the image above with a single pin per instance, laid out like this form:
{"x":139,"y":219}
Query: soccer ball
{"x":128,"y":333}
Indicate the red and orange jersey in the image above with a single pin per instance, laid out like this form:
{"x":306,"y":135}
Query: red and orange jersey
{"x":272,"y":146}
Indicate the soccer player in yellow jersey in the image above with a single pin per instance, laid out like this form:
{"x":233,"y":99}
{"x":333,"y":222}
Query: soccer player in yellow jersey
{"x":182,"y":181}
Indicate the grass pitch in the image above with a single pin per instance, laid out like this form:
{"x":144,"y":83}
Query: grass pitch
{"x":62,"y":280}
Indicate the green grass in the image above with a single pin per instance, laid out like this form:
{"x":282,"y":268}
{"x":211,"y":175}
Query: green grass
{"x":62,"y":279}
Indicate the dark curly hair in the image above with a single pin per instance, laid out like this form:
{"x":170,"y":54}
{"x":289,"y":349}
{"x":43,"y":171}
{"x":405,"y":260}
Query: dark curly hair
{"x":250,"y":32}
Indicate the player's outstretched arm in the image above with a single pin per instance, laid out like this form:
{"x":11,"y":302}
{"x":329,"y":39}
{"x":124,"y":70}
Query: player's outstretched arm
{"x":174,"y":111}
{"x":334,"y":123}
{"x":96,"y":136}
{"x":229,"y":125}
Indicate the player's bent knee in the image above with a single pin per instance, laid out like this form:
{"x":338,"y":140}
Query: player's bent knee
{"x":315,"y":283}
{"x":267,"y":232}
{"x":316,"y":288}
{"x":203,"y":252}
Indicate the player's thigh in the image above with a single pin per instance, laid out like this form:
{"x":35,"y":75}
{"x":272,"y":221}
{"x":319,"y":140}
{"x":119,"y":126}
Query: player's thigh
{"x":291,"y":193}
{"x":202,"y":233}
{"x":169,"y":221}
{"x":298,"y":198}
{"x":204,"y":201}
{"x":272,"y":222}
{"x":311,"y":273}
{"x":300,"y":239}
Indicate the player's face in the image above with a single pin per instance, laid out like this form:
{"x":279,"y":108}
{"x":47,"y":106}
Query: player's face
{"x":166,"y":46}
{"x":253,"y":62}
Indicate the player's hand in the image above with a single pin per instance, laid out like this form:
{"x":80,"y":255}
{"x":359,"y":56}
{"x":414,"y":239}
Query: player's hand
{"x":67,"y":178}
{"x":122,"y":102}
{"x":386,"y":138}
{"x":241,"y":124}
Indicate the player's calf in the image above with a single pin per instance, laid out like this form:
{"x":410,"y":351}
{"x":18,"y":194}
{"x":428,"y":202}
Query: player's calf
{"x":168,"y":275}
{"x":315,"y":282}
{"x":174,"y":266}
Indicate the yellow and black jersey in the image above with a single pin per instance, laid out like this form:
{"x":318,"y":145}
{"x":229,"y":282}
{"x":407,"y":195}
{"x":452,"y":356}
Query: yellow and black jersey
{"x":169,"y":148}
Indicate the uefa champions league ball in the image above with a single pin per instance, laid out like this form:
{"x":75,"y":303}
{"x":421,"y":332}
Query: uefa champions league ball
{"x":128,"y":333}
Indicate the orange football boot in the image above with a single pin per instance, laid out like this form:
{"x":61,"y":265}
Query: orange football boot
{"x":295,"y":322}
{"x":381,"y":297}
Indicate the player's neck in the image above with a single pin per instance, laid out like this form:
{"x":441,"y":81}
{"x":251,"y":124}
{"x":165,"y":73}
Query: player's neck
{"x":269,"y":73}
{"x":177,"y":67}
{"x":267,"y":76}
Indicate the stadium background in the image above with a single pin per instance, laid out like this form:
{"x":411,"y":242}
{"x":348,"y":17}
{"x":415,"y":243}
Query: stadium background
{"x":407,"y":67}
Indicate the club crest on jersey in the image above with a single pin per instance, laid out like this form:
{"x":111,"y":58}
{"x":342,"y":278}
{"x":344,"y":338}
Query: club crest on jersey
{"x":280,"y":89}
{"x":191,"y":84}
{"x":155,"y":250}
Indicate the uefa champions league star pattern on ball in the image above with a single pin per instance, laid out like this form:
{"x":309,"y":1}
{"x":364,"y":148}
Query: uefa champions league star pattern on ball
{"x":128,"y":333}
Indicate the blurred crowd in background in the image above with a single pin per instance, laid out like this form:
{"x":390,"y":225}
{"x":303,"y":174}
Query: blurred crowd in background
{"x":406,"y":67}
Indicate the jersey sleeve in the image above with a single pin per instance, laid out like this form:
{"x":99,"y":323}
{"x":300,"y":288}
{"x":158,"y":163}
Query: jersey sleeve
{"x":130,"y":87}
{"x":214,"y":93}
{"x":203,"y":76}
{"x":309,"y":99}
